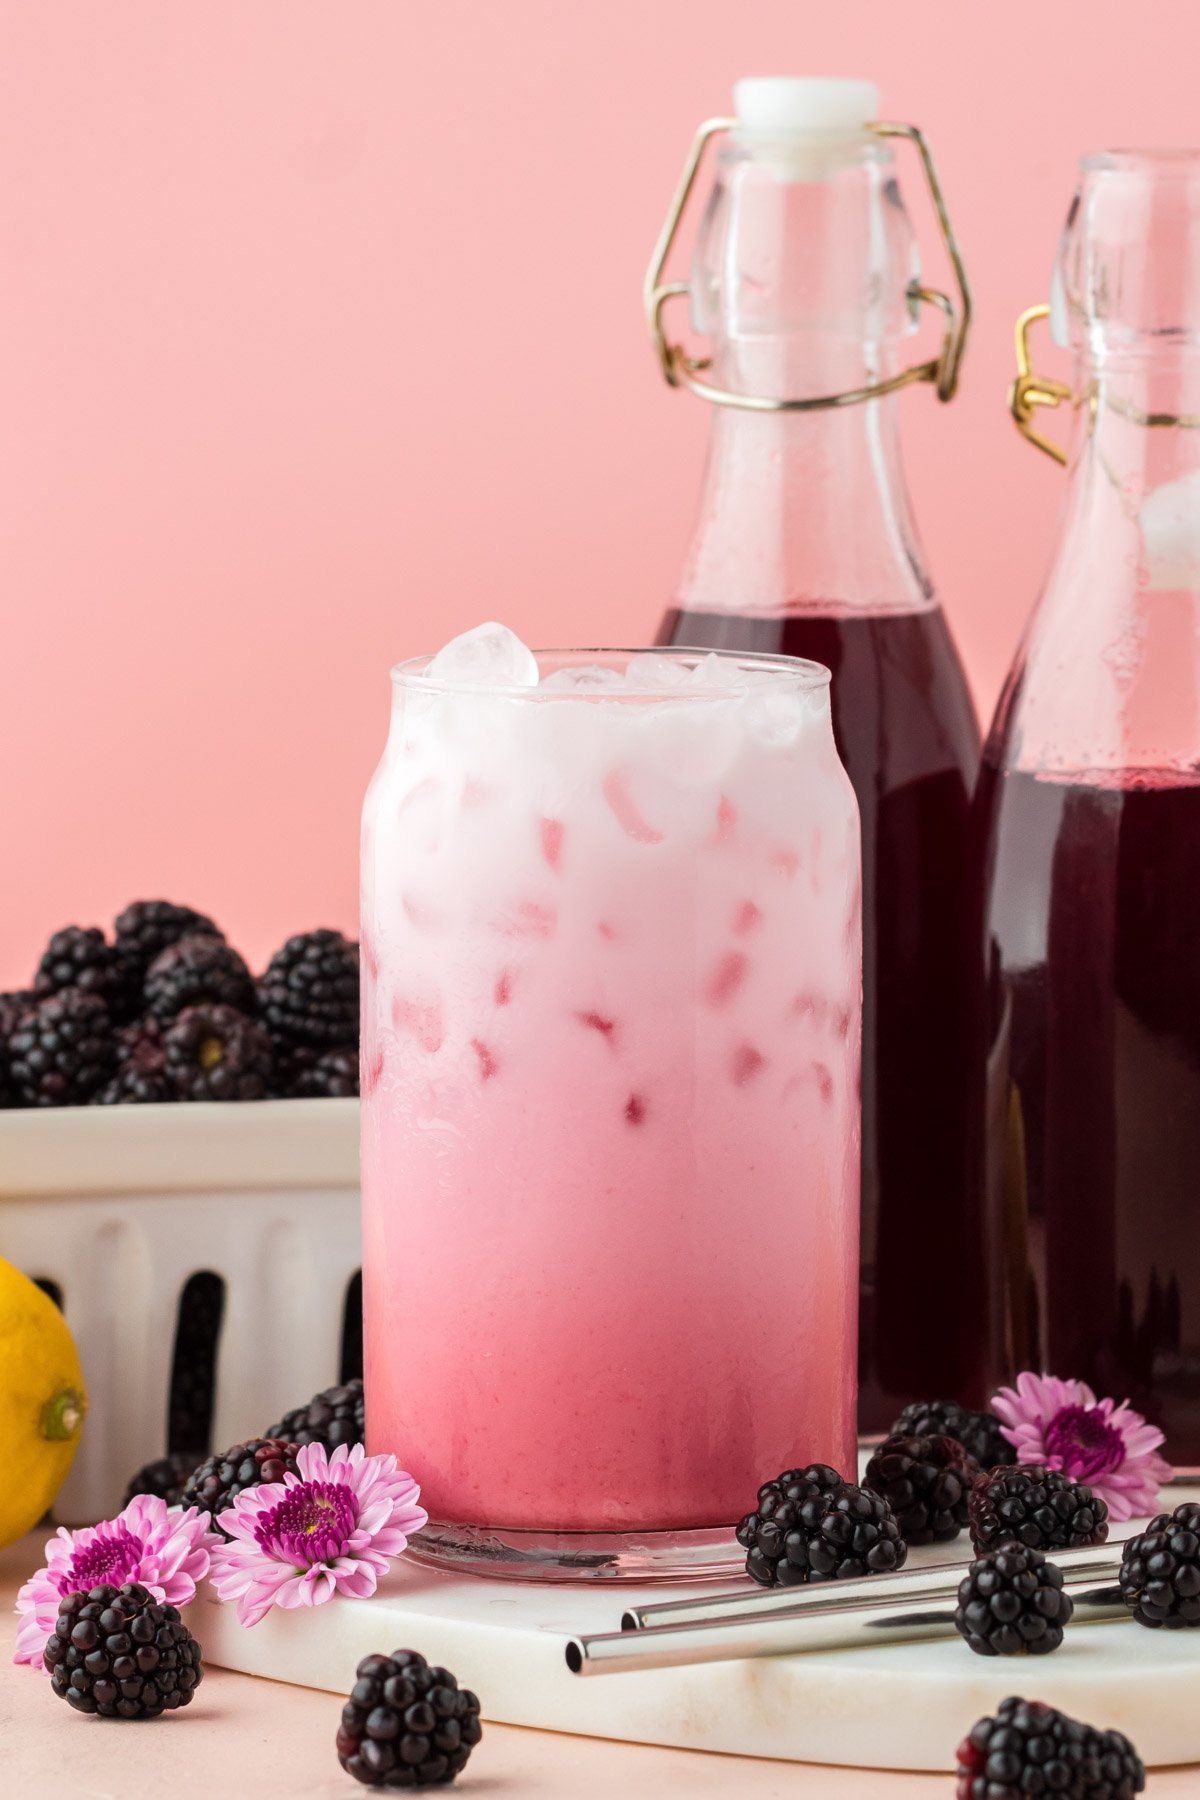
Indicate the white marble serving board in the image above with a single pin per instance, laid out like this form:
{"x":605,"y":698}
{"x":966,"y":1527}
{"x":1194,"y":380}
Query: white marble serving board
{"x":903,"y":1707}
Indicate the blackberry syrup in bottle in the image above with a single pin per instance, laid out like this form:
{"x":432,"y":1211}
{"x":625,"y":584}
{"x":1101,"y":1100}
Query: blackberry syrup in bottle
{"x":1087,"y":941}
{"x":805,"y":283}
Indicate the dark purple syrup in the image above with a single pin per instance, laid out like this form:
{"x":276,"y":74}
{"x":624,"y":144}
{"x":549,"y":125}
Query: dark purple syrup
{"x":906,"y":732}
{"x":1090,"y":902}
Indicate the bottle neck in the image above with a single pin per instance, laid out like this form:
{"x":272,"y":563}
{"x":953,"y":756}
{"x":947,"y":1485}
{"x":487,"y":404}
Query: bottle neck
{"x":805,"y":512}
{"x":1109,"y":677}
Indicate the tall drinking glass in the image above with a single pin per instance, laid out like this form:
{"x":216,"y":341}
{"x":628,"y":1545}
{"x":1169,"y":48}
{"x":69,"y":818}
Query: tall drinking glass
{"x":611,"y":929}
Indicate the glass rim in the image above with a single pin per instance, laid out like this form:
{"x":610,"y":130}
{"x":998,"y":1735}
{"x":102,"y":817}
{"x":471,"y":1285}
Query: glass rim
{"x":794,"y":671}
{"x":1129,"y":159}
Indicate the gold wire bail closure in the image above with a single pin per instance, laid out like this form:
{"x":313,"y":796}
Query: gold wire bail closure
{"x":682,"y":370}
{"x":1029,"y":391}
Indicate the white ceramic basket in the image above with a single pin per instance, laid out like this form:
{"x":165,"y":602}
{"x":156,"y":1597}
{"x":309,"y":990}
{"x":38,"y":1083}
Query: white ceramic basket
{"x":118,"y":1206}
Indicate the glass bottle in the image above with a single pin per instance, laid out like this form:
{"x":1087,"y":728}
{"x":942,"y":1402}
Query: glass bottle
{"x":805,"y":282}
{"x":1089,"y":832}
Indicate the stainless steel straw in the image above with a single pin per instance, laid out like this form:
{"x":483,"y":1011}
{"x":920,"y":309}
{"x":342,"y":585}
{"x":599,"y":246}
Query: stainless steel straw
{"x":938,"y":1581}
{"x":833,"y":1622}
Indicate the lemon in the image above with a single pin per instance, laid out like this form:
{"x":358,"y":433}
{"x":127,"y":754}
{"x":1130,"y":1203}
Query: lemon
{"x":42,"y":1402}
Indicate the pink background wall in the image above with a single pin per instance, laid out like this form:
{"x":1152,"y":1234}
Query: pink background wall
{"x":320,"y":340}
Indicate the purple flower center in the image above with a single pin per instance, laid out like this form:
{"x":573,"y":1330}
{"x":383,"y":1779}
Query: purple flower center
{"x":1085,"y":1441}
{"x":110,"y":1560}
{"x":311,"y":1523}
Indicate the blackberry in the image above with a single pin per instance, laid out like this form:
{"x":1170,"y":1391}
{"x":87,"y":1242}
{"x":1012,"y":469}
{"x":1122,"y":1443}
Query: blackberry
{"x":197,"y":971}
{"x":980,"y":1433}
{"x":336,"y":1416}
{"x":406,"y":1725}
{"x":822,"y":1534}
{"x":216,"y":1483}
{"x":1011,"y":1603}
{"x":122,"y":1654}
{"x":62,"y":1050}
{"x":165,"y":1477}
{"x":84,"y":959}
{"x":1040,"y":1508}
{"x":332,"y":1076}
{"x":309,"y":994}
{"x":141,"y":1078}
{"x":147,"y":927}
{"x":926,"y":1481}
{"x":1160,"y":1570}
{"x":217,"y":1053}
{"x":12,"y":1005}
{"x":1030,"y":1749}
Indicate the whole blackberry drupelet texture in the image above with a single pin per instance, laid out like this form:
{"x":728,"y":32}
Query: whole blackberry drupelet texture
{"x":1160,"y":1571}
{"x":927,"y":1482}
{"x":216,"y":1482}
{"x":1042,"y":1509}
{"x":309,"y":993}
{"x":148,"y":927}
{"x":980,"y":1433}
{"x":122,"y":1654}
{"x":331,"y":1076}
{"x":1011,"y":1603}
{"x":62,"y":1050}
{"x":217,"y":1053}
{"x":824,"y":1534}
{"x":335,"y":1416}
{"x":166,"y":1477}
{"x":197,"y":971}
{"x":79,"y":957}
{"x":1029,"y":1750}
{"x":406,"y":1725}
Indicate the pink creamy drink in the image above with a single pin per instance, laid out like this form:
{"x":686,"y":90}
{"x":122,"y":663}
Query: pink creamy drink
{"x":612,"y":967}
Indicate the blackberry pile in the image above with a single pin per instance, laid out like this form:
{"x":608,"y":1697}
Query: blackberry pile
{"x":1028,"y":1750}
{"x":1041,"y":1509}
{"x":980,"y":1433}
{"x":927,"y":1482}
{"x":1160,"y":1571}
{"x":121,"y":1654}
{"x":216,"y":1483}
{"x":1011,"y":1603}
{"x":167,"y":1010}
{"x":810,"y":1525}
{"x":406,"y":1725}
{"x":335,"y":1416}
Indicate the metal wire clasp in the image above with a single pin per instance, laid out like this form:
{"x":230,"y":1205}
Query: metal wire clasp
{"x":682,"y":370}
{"x":1029,"y":391}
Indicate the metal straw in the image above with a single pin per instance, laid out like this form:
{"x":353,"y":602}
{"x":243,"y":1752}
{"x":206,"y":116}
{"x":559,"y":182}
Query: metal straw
{"x":833,"y":1622}
{"x":1093,"y":1561}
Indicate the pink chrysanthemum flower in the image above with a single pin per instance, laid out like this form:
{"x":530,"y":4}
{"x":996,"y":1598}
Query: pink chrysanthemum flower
{"x":332,"y":1529}
{"x":164,"y":1548}
{"x":1062,"y":1425}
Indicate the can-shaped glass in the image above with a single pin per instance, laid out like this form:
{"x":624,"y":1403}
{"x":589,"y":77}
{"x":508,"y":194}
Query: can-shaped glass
{"x":612,"y":968}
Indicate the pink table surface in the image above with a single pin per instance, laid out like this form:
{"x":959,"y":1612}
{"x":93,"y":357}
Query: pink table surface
{"x":246,"y":1736}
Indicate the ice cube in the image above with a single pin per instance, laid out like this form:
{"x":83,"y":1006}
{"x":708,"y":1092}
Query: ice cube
{"x":713,"y":671}
{"x":657,"y":673}
{"x":775,"y":712}
{"x":489,"y":656}
{"x":589,"y":678}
